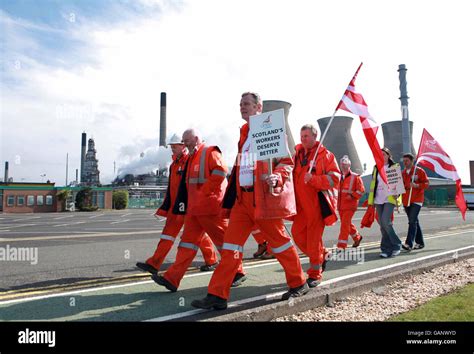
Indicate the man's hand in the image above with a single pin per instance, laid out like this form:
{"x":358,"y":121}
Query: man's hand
{"x":272,"y":180}
{"x":414,"y":185}
{"x":307,"y":177}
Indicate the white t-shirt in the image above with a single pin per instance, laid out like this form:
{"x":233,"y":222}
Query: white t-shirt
{"x":381,"y":194}
{"x":247,"y":164}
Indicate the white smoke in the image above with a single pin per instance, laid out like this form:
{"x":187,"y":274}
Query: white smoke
{"x":144,"y":157}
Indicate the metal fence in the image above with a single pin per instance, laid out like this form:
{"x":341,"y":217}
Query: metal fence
{"x":144,"y":203}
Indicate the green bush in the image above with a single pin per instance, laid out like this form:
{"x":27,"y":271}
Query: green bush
{"x":120,"y":199}
{"x":62,"y":196}
{"x":84,"y":199}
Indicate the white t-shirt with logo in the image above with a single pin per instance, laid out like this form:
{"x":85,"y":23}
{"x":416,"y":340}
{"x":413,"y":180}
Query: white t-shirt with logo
{"x":247,"y":164}
{"x":381,"y":194}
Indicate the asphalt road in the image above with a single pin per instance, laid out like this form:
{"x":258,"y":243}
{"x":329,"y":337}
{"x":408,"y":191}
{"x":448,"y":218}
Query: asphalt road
{"x":102,"y":246}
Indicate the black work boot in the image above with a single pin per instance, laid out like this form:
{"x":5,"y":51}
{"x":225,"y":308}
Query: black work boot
{"x":147,"y":267}
{"x":160,"y":280}
{"x":296,"y":292}
{"x":208,"y":267}
{"x":210,"y":301}
{"x":238,"y":279}
{"x":312,"y":283}
{"x":262,"y":248}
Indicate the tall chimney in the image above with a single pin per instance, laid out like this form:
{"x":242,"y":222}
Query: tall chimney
{"x":339,"y":140}
{"x":273,"y":105}
{"x":163,"y":119}
{"x":6,"y":172}
{"x":83,"y":155}
{"x":77,"y":175}
{"x":471,"y":170}
{"x":406,"y":128}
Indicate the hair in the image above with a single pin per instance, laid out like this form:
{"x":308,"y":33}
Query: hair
{"x":409,"y":156}
{"x":311,"y":127}
{"x":390,"y":156}
{"x":345,"y":160}
{"x":256,"y":97}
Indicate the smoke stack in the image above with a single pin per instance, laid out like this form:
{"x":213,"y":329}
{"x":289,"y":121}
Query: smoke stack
{"x":339,"y":141}
{"x":406,"y":128}
{"x":83,"y":155}
{"x":471,"y":170}
{"x":77,"y":174}
{"x":163,"y":119}
{"x":393,"y":139}
{"x":273,"y":105}
{"x":6,"y":172}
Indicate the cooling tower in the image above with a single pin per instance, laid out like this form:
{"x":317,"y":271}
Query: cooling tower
{"x":393,"y":139}
{"x":83,"y":155}
{"x":273,"y":105}
{"x":163,"y":119}
{"x":339,"y":141}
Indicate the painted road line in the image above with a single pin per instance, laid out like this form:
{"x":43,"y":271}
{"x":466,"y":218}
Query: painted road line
{"x":16,"y":226}
{"x":95,"y":216}
{"x":124,"y":215}
{"x":103,"y":234}
{"x":326,"y":282}
{"x":63,"y":217}
{"x":259,"y":265}
{"x":119,"y":222}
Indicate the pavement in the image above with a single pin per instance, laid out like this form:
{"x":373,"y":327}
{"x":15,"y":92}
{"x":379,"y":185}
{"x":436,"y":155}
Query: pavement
{"x":85,"y":269}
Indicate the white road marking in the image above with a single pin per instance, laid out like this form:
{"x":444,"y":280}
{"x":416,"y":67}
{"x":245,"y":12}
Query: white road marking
{"x":78,"y":236}
{"x":95,"y":216}
{"x":118,"y":222}
{"x":327,"y":282}
{"x":16,"y":226}
{"x":125,"y":215}
{"x":260,"y":264}
{"x":64,"y":217}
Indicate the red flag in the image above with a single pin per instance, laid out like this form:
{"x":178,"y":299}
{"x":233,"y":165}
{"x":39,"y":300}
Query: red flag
{"x":354,"y":102}
{"x":432,"y":156}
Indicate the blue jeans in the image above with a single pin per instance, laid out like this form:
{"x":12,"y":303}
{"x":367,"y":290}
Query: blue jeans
{"x":390,"y":241}
{"x":414,"y":230}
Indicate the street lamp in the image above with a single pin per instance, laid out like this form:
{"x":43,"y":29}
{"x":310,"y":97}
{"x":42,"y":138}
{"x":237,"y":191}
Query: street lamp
{"x":42,"y":177}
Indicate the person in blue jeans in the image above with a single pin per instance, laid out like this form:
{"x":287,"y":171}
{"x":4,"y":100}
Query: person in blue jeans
{"x":390,"y":243}
{"x":415,"y":181}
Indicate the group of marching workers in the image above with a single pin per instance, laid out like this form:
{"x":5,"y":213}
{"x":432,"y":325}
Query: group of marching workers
{"x":219,"y":213}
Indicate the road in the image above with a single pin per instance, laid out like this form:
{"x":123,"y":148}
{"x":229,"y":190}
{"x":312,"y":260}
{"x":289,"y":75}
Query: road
{"x":83,"y":250}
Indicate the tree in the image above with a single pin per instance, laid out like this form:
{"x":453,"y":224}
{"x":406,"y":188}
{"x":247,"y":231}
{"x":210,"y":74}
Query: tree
{"x":84,"y":200}
{"x":120,"y":199}
{"x":62,"y":197}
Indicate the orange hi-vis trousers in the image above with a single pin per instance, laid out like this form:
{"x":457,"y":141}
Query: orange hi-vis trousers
{"x":347,"y":228}
{"x":241,"y":222}
{"x":308,"y":236}
{"x":191,"y":239}
{"x":173,"y":226}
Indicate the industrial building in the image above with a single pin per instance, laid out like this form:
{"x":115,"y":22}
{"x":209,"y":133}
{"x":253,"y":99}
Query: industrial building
{"x":42,"y":197}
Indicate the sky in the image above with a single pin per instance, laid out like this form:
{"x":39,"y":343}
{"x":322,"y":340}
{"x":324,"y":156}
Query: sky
{"x":99,"y":66}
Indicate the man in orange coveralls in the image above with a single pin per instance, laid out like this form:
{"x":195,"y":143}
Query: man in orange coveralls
{"x":252,"y":203}
{"x":174,"y":222}
{"x":316,"y":200}
{"x":350,"y":191}
{"x":200,"y":195}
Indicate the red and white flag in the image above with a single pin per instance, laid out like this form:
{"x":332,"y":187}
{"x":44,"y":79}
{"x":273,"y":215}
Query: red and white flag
{"x":432,"y":156}
{"x":354,"y":102}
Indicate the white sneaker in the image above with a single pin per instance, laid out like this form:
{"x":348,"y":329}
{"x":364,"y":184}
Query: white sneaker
{"x":395,"y":253}
{"x":383,"y":255}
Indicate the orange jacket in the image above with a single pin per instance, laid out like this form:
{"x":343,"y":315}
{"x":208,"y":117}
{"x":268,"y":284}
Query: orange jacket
{"x":417,"y":194}
{"x":205,"y":181}
{"x":277,"y":205}
{"x":326,"y":176}
{"x":176,"y":171}
{"x":351,"y":189}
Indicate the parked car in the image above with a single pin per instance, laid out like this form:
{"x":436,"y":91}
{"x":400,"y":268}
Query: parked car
{"x":469,"y":197}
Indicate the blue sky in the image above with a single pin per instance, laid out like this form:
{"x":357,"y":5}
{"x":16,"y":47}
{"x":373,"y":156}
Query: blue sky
{"x":99,"y":66}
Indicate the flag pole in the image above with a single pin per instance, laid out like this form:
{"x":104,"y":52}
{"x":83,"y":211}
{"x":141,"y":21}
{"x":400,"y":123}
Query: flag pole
{"x":414,"y":168}
{"x":311,"y":165}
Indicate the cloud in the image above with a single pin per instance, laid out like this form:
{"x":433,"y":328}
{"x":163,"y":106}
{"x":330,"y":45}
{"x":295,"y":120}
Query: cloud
{"x":205,"y":53}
